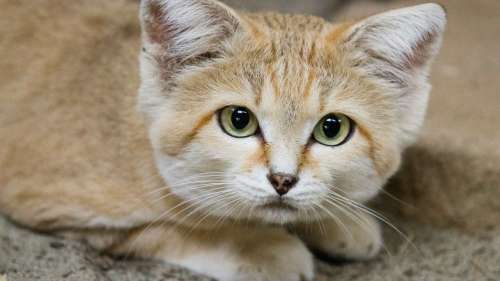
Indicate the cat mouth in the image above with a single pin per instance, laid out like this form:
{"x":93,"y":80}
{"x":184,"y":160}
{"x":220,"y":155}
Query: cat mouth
{"x":279,"y":205}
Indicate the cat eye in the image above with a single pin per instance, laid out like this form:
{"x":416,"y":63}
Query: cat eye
{"x":238,"y":121}
{"x":333,"y":129}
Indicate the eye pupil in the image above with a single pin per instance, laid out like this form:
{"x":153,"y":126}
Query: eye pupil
{"x":333,"y":130}
{"x":238,"y":121}
{"x":331,"y":126}
{"x":240,"y":118}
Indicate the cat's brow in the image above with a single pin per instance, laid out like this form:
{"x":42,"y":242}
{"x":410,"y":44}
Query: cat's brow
{"x":371,"y":147}
{"x":274,"y":81}
{"x":199,"y":125}
{"x":258,"y":95}
{"x":309,"y":84}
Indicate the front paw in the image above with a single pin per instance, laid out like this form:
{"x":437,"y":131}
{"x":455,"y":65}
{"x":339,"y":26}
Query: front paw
{"x":241,"y":254}
{"x":352,"y":241}
{"x":283,"y":259}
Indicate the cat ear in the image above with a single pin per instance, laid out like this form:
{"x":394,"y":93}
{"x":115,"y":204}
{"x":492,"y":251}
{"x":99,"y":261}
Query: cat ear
{"x":180,"y":30}
{"x":176,"y":34}
{"x":399,"y":44}
{"x":396,"y":48}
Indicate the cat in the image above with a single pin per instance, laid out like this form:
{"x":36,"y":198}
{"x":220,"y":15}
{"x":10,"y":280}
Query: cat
{"x":254,"y":140}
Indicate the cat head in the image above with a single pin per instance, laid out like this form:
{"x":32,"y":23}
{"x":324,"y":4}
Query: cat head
{"x":281,"y":118}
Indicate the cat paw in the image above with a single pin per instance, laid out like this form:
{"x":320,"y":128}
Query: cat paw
{"x":287,"y":260}
{"x":354,"y":241}
{"x":242,"y":254}
{"x":290,"y":261}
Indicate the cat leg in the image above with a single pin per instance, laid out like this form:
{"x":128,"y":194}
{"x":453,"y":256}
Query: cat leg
{"x":229,"y":254}
{"x":349,"y":238}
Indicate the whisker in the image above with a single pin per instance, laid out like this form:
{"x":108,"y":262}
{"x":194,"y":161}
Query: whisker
{"x":181,"y":184}
{"x":198,"y":187}
{"x":198,"y":176}
{"x":195,"y":225}
{"x":335,"y":218}
{"x":318,"y":220}
{"x":393,"y":197}
{"x":375,"y":214}
{"x":164,"y":214}
{"x":221,"y":218}
{"x":355,"y":217}
{"x":203,"y":205}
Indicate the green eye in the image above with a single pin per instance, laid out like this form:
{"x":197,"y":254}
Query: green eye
{"x":238,"y":121}
{"x":333,"y":129}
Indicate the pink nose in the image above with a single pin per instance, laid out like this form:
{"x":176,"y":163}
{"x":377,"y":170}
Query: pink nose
{"x":281,"y":182}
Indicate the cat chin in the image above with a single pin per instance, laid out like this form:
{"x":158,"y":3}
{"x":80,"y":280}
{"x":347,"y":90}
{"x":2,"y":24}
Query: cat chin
{"x":276,"y":215}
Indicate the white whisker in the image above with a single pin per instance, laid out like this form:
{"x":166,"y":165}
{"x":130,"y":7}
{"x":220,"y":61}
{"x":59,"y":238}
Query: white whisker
{"x":373,"y":213}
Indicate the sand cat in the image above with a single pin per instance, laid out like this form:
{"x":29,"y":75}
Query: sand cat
{"x":254,"y":139}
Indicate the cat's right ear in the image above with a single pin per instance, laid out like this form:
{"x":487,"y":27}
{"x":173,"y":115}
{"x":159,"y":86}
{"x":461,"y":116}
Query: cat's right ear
{"x":178,"y":31}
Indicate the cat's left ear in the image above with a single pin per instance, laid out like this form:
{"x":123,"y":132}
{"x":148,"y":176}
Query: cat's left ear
{"x":396,"y":48}
{"x":182,"y":30}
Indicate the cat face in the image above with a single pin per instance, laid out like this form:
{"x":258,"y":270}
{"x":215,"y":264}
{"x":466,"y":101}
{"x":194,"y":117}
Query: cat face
{"x":281,"y":118}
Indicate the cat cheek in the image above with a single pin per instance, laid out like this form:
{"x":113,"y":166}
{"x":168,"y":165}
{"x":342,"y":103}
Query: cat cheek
{"x":310,"y":161}
{"x":255,"y":159}
{"x":325,"y":164}
{"x":315,"y":161}
{"x":241,"y":154}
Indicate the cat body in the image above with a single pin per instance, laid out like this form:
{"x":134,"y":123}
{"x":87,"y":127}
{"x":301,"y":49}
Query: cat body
{"x":254,"y":138}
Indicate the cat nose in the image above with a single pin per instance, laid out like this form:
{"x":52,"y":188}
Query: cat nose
{"x":282,"y":182}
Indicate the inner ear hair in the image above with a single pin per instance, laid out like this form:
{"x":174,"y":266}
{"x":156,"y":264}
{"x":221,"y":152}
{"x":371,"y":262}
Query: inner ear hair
{"x":398,"y":44}
{"x":184,"y":30}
